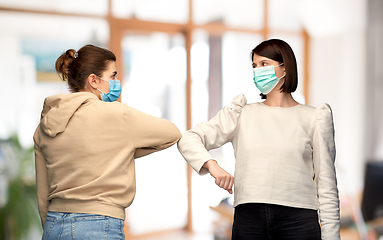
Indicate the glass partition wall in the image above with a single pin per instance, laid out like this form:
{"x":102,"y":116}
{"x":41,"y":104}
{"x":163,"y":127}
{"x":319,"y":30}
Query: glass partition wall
{"x":154,"y":82}
{"x":182,"y":60}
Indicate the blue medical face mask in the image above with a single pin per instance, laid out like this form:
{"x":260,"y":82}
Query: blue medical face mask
{"x":265,"y":79}
{"x":114,"y":91}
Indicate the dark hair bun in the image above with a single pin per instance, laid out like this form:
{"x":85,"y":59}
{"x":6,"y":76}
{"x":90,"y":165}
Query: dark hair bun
{"x":64,"y":62}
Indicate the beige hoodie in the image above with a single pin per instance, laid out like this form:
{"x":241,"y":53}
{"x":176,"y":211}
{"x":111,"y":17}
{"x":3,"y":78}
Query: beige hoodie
{"x":85,"y":150}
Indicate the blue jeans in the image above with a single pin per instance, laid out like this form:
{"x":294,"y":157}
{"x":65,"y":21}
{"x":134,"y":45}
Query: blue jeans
{"x":274,"y":222}
{"x":65,"y":226}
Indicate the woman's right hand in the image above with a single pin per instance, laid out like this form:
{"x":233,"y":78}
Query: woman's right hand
{"x":222,"y":178}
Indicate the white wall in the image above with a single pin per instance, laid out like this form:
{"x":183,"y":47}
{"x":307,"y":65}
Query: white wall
{"x":338,"y":77}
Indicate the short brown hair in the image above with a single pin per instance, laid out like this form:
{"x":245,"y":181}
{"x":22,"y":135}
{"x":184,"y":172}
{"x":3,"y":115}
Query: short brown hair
{"x":75,"y":67}
{"x":278,"y":50}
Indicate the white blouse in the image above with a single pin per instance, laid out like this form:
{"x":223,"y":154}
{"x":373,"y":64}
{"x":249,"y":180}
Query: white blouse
{"x":284,"y":156}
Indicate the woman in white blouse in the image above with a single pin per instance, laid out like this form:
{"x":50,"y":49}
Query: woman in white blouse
{"x":285,"y":153}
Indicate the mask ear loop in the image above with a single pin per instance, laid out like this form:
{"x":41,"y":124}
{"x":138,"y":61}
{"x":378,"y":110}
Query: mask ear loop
{"x":284,"y":74}
{"x":102,"y":80}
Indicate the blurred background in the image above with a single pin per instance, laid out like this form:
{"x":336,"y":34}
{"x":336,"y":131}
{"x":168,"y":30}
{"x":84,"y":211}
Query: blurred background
{"x":184,"y":60}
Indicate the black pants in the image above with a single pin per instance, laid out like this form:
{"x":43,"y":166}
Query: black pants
{"x":259,"y":221}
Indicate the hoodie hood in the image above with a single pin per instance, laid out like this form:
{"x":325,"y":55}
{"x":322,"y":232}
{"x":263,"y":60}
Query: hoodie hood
{"x":59,"y":109}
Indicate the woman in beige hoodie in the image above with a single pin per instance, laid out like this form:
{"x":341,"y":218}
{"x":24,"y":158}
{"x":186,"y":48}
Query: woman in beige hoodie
{"x":85,"y":146}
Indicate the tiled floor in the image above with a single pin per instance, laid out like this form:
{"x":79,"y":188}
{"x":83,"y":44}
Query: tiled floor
{"x":178,"y":235}
{"x":349,"y":234}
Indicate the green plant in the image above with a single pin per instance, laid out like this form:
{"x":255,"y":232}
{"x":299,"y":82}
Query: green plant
{"x":19,"y":213}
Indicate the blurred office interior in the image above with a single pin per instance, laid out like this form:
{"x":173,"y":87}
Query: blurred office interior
{"x":184,"y":60}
